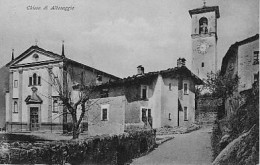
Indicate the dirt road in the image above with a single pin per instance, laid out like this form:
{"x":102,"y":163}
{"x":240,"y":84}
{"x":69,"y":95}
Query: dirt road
{"x":185,"y":149}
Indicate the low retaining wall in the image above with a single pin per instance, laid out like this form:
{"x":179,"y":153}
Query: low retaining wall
{"x":98,"y":150}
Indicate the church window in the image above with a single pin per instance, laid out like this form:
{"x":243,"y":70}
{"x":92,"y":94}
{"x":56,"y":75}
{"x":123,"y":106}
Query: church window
{"x":36,"y":57}
{"x":15,"y":83}
{"x":39,"y":80}
{"x":256,"y":58}
{"x":15,"y":107}
{"x":34,"y":79}
{"x":55,"y":105}
{"x":203,"y":25}
{"x":202,"y":64}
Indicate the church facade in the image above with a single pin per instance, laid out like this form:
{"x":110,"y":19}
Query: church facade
{"x":32,"y":102}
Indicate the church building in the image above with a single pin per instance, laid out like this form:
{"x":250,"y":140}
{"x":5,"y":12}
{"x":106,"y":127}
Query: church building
{"x":32,"y":103}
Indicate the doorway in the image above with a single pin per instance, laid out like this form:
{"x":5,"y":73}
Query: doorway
{"x":34,"y":118}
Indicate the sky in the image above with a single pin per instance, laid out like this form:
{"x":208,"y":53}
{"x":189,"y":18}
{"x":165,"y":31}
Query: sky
{"x":116,"y":36}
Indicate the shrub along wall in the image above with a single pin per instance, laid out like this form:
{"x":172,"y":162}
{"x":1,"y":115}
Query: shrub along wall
{"x":231,"y":128}
{"x":98,"y":150}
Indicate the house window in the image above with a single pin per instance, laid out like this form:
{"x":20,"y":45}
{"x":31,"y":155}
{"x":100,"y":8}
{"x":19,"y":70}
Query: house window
{"x":185,"y":113}
{"x":144,"y":116}
{"x":256,"y":58}
{"x":185,"y":88}
{"x":15,"y":107}
{"x":104,"y":112}
{"x":55,"y":108}
{"x":34,"y":80}
{"x":202,"y":64}
{"x":256,"y":77}
{"x":144,"y":91}
{"x":15,"y":83}
{"x":170,"y":86}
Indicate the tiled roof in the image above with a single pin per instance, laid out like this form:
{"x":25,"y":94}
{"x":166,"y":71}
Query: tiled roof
{"x":172,"y":72}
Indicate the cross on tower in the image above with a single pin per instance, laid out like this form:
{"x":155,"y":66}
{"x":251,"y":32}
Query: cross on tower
{"x":204,"y":3}
{"x":36,"y":42}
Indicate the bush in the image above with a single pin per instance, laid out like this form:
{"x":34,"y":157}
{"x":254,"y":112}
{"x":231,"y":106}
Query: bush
{"x":98,"y":150}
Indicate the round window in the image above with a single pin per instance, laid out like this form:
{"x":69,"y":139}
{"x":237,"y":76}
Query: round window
{"x":36,"y":57}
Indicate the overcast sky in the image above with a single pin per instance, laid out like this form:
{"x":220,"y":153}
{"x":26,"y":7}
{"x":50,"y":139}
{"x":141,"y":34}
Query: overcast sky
{"x":116,"y":36}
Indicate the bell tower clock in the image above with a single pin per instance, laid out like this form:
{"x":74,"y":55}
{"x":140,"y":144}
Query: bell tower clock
{"x":204,"y":40}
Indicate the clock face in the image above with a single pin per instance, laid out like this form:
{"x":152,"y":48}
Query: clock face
{"x":202,"y":48}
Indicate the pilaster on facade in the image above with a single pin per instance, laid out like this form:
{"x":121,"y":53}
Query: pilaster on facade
{"x":20,"y":94}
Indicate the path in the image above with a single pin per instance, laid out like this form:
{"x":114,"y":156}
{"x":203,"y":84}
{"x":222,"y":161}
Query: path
{"x":185,"y":149}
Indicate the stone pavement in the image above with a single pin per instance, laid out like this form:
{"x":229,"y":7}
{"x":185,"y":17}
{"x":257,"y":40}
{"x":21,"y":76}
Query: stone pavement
{"x":193,"y":148}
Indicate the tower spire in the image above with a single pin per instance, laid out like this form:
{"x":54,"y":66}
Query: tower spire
{"x":62,"y":51}
{"x":12,"y":54}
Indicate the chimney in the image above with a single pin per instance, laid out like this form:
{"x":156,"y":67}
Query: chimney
{"x":181,"y":62}
{"x":62,"y":50}
{"x":140,"y":70}
{"x":12,"y":54}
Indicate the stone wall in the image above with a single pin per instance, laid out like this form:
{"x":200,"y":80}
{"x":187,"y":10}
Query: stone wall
{"x":98,"y":150}
{"x":230,"y":143}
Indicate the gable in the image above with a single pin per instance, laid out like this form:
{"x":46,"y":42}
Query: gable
{"x":35,"y":57}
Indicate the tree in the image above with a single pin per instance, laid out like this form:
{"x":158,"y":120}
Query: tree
{"x":72,"y":96}
{"x":220,"y":86}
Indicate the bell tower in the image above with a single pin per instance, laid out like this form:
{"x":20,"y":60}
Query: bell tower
{"x":204,"y":39}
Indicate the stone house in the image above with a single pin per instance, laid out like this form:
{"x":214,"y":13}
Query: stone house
{"x":242,"y":59}
{"x":31,"y":100}
{"x":154,"y":99}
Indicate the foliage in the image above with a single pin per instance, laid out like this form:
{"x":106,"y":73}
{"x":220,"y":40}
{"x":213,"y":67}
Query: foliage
{"x":220,"y":86}
{"x":113,"y":149}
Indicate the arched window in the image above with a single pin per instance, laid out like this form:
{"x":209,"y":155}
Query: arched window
{"x":34,"y":79}
{"x":39,"y":80}
{"x":203,"y":22}
{"x":15,"y":107}
{"x":55,"y":106}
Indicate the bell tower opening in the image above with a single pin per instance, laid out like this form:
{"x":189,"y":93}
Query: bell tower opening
{"x":203,"y":24}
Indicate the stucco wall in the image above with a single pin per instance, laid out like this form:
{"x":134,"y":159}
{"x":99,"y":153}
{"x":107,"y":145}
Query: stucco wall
{"x":169,"y":103}
{"x":116,"y":116}
{"x":209,"y":58}
{"x":4,"y":80}
{"x":246,"y":69}
{"x":187,"y":101}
